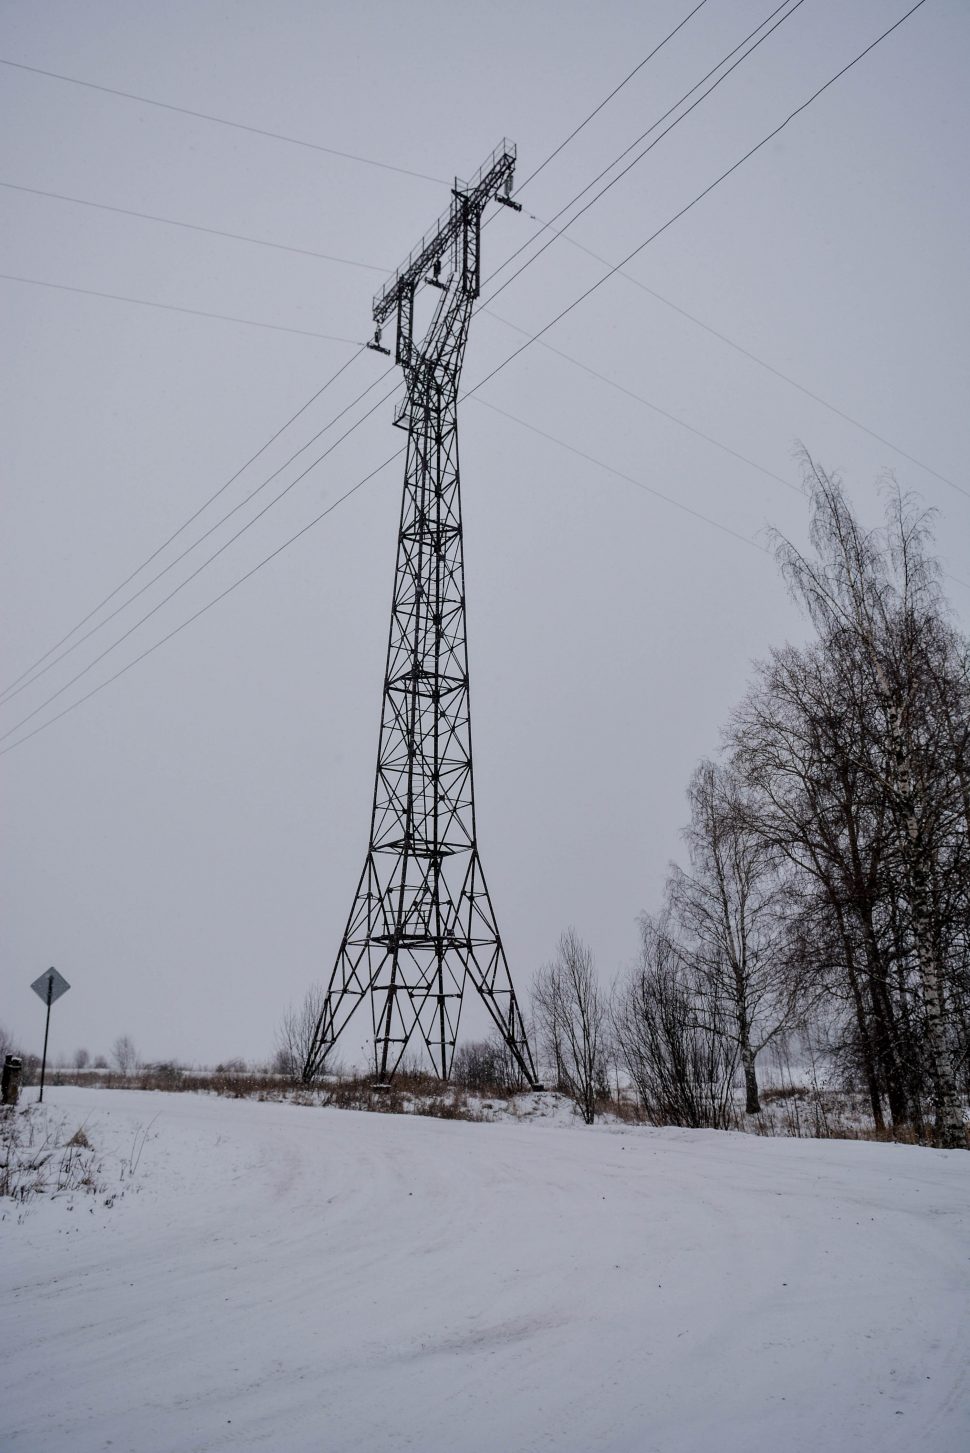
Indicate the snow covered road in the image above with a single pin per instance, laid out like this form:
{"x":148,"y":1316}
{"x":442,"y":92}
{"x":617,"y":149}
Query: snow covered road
{"x":317,"y":1281}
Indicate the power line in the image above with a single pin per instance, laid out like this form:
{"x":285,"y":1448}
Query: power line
{"x":698,"y":198}
{"x":665,"y":413}
{"x":649,"y":489}
{"x":222,"y":121}
{"x":639,"y":398}
{"x":561,"y":232}
{"x":677,"y":504}
{"x":548,"y":225}
{"x":16,"y":688}
{"x":202,"y":610}
{"x":174,"y":308}
{"x":607,"y":99}
{"x":190,"y":226}
{"x":292,"y":539}
{"x":308,"y":252}
{"x":33,"y":674}
{"x":198,"y":570}
{"x":211,"y":531}
{"x":304,"y":251}
{"x":536,"y":337}
{"x":643,"y":135}
{"x":761,"y":362}
{"x":630,"y":479}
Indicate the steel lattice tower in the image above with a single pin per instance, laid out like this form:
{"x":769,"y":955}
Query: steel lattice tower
{"x":422,"y":923}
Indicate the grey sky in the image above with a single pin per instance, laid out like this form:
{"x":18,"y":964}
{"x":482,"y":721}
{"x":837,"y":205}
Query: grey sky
{"x":185,"y":846}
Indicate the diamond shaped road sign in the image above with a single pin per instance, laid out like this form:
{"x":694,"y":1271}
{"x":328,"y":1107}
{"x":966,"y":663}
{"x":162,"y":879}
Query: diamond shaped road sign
{"x":50,"y":986}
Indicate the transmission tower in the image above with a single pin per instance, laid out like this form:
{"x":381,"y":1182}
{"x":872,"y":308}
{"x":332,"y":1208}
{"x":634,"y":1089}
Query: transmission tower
{"x":422,"y":923}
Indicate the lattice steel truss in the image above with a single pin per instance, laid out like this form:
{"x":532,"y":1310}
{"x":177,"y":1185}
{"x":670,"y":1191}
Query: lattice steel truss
{"x":422,"y":923}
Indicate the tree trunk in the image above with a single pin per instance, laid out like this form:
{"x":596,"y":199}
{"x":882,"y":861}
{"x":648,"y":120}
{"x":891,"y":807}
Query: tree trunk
{"x":886,"y":1044}
{"x":950,"y":1129}
{"x":752,"y":1102}
{"x":862,"y":1021}
{"x":885,"y":1039}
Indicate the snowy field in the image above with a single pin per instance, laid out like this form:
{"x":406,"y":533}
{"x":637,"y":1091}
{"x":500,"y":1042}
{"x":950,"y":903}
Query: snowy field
{"x":318,"y":1281}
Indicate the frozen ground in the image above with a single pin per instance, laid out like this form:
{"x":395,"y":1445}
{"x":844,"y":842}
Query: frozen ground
{"x":319,"y":1281}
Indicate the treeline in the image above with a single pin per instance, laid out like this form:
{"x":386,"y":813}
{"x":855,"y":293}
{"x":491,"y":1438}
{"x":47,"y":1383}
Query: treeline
{"x":124,"y":1057}
{"x":825,"y":896}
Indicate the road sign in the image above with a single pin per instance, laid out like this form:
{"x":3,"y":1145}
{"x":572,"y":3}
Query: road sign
{"x":50,"y":986}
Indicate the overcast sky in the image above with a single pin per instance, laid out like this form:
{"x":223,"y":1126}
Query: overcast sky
{"x":184,"y":847}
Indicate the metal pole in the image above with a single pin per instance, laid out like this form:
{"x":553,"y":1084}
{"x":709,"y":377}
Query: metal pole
{"x":47,"y":1029}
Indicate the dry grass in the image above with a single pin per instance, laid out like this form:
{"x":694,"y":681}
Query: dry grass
{"x":411,"y":1093}
{"x":793,"y":1109}
{"x":38,"y":1157}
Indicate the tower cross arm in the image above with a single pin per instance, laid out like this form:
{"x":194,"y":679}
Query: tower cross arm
{"x":492,"y":180}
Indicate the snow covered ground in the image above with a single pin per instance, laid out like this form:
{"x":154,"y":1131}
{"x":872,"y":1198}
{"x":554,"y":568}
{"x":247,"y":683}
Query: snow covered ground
{"x":292,"y":1279}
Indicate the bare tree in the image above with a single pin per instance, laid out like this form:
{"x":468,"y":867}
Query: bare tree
{"x":81,"y":1059}
{"x":487,"y":1067}
{"x":799,"y":742}
{"x":731,"y":906}
{"x":125,"y":1055}
{"x":572,"y":1021}
{"x":295,"y":1037}
{"x":679,"y":1057}
{"x":874,"y":600}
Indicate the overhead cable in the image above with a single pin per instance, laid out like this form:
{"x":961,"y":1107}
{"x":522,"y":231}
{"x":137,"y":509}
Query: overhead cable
{"x":190,"y":226}
{"x":647,"y":149}
{"x":34,"y":674}
{"x":607,"y":99}
{"x":630,"y":479}
{"x":762,"y":363}
{"x":688,"y":206}
{"x":197,"y":571}
{"x":175,"y":308}
{"x":639,"y":398}
{"x":207,"y":607}
{"x":517,"y":352}
{"x":221,"y":121}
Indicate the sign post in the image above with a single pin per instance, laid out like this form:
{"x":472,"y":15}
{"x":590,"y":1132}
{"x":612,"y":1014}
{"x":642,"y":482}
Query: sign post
{"x":49,"y":986}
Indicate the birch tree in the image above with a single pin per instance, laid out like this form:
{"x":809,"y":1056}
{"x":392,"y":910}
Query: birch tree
{"x":874,"y":600}
{"x":798,"y":742}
